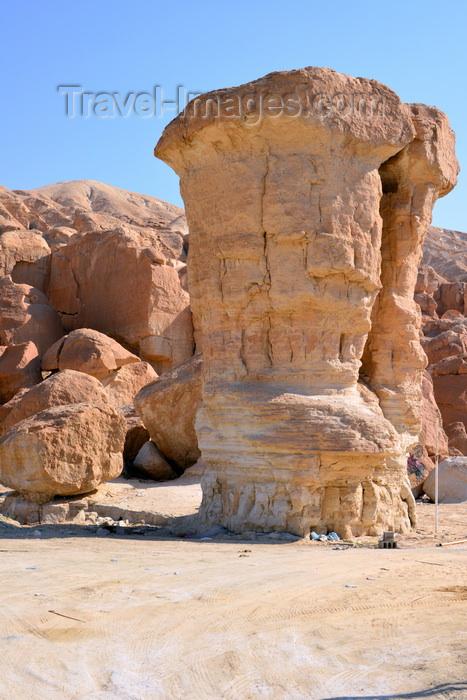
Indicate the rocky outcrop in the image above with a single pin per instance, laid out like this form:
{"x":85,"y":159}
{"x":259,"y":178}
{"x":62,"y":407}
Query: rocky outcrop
{"x":452,"y":481}
{"x":19,"y":368}
{"x":64,"y":450}
{"x":168,"y":408}
{"x":444,"y":251}
{"x":285,"y":284}
{"x":61,"y":389}
{"x":150,"y":312}
{"x":57,"y":237}
{"x":26,"y":315}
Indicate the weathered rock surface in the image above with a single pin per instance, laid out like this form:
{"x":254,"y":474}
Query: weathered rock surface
{"x":284,"y":277}
{"x":150,"y":311}
{"x":452,"y":482}
{"x":123,"y":385}
{"x":26,"y":315}
{"x":87,"y":350}
{"x":444,"y":251}
{"x":25,"y":255}
{"x":457,"y":436}
{"x":20,"y":367}
{"x":451,"y":396}
{"x":151,"y":463}
{"x":447,"y":343}
{"x":450,"y":297}
{"x":61,"y":389}
{"x":432,"y":435}
{"x":168,"y":408}
{"x":64,"y":450}
{"x":71,"y":229}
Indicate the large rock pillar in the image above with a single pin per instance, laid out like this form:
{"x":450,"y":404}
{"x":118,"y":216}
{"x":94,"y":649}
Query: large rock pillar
{"x":281,"y":183}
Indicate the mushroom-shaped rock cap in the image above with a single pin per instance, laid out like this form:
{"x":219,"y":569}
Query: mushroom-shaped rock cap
{"x":318,"y":104}
{"x":434,"y":146}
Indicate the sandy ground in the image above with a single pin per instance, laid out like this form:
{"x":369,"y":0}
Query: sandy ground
{"x":138,"y":618}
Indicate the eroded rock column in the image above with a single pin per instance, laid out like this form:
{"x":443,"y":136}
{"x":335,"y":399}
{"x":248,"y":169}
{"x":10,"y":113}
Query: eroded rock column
{"x":412,"y":181}
{"x":284,"y":270}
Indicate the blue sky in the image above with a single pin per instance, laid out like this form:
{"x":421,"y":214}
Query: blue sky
{"x":417,"y":48}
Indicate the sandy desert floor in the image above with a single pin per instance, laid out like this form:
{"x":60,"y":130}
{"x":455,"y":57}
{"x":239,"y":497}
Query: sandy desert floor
{"x":143,"y":618}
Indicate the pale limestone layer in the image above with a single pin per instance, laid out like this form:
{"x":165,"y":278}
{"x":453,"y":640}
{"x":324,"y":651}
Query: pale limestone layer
{"x":286,"y":240}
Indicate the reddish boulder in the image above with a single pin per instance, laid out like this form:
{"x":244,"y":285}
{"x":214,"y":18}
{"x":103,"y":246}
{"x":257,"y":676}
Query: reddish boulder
{"x":149,"y":312}
{"x":64,"y":450}
{"x":26,"y":315}
{"x":457,"y":436}
{"x":63,"y":388}
{"x":89,"y":351}
{"x":168,"y":408}
{"x":123,"y":384}
{"x":451,"y":396}
{"x":19,"y":368}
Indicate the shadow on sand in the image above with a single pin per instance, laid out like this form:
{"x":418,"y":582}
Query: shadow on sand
{"x":436,"y":691}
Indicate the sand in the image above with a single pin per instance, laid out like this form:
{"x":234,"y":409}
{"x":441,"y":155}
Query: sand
{"x":133,"y":618}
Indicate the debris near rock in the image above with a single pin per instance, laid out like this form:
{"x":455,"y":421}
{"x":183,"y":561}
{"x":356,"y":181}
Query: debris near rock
{"x":64,"y":450}
{"x":168,"y":408}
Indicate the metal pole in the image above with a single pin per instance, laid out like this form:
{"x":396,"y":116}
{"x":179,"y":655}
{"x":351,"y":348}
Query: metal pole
{"x":436,"y":479}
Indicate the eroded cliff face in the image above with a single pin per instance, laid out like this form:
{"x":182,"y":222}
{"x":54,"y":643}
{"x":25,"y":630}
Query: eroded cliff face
{"x":286,"y":242}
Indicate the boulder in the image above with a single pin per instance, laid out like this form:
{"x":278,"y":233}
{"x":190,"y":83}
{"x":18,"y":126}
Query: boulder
{"x":86,"y":350}
{"x":455,"y":364}
{"x":452,"y":481}
{"x":64,"y":450}
{"x":123,"y":384}
{"x":151,"y":463}
{"x":426,"y":303}
{"x":26,"y":315}
{"x":61,"y":389}
{"x":150,"y":312}
{"x":457,"y":436}
{"x":447,"y":343}
{"x":450,"y":296}
{"x":20,"y":367}
{"x":450,"y":392}
{"x":168,"y":408}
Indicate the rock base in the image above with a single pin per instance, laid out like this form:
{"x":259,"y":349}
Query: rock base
{"x":240,"y":501}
